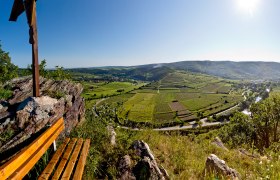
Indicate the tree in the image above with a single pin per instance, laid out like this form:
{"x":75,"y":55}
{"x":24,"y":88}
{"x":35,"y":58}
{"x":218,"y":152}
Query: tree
{"x":266,"y":117}
{"x":239,"y":131}
{"x":42,"y":69}
{"x":59,"y":73}
{"x":7,"y":69}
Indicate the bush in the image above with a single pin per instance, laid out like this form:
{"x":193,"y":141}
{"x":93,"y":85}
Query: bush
{"x":5,"y":93}
{"x":7,"y":69}
{"x":239,"y":131}
{"x":55,"y":94}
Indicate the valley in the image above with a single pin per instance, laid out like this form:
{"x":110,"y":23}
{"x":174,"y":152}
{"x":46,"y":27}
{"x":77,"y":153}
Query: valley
{"x":180,"y":98}
{"x":178,"y":114}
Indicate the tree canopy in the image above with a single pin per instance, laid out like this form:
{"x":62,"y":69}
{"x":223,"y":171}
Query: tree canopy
{"x":261,"y":129}
{"x":7,"y":69}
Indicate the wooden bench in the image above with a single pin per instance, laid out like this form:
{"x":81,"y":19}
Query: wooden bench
{"x":67,"y":162}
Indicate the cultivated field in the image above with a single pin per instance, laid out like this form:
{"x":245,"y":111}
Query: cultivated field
{"x":180,"y":96}
{"x":106,"y":89}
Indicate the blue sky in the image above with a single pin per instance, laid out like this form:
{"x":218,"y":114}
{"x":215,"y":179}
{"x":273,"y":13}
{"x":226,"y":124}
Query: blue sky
{"x":86,"y":33}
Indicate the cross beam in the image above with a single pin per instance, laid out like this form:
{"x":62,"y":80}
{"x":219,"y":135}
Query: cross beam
{"x":29,"y":6}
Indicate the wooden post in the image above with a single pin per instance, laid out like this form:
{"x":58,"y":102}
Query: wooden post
{"x":29,"y":6}
{"x":30,"y":9}
{"x":35,"y":64}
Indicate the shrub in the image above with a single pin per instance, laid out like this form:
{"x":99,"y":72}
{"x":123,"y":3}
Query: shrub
{"x":5,"y":93}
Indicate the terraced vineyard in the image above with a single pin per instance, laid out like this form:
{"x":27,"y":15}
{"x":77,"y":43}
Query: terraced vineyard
{"x":180,"y":96}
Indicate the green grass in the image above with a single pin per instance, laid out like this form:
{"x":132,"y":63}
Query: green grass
{"x":182,"y":156}
{"x":5,"y":93}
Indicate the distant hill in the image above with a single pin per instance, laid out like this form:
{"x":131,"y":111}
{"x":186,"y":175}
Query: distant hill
{"x":225,"y":69}
{"x":144,"y":73}
{"x":231,"y":70}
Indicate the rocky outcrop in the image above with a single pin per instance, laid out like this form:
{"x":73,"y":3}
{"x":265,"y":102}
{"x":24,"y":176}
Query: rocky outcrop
{"x":125,"y":168}
{"x":112,"y":135}
{"x":216,"y":166}
{"x":218,"y":142}
{"x":248,"y":154}
{"x":25,"y":115}
{"x":32,"y":115}
{"x":145,"y":166}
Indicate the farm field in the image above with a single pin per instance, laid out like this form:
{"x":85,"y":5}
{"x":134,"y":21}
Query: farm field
{"x":106,"y":89}
{"x":179,"y":96}
{"x":140,"y":107}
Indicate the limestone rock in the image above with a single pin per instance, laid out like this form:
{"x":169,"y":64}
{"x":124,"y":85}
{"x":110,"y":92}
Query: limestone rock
{"x":144,"y":165}
{"x":112,"y":135}
{"x":125,"y":168}
{"x":218,"y":142}
{"x":27,"y":116}
{"x":219,"y":168}
{"x":34,"y":114}
{"x":4,"y":110}
{"x":246,"y":153}
{"x":147,"y":167}
{"x":142,"y":149}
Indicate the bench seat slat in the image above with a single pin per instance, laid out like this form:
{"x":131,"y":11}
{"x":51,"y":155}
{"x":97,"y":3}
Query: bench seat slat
{"x":64,"y":159}
{"x":27,"y":166}
{"x":51,"y":165}
{"x":8,"y":168}
{"x":72,"y":161}
{"x":82,"y":161}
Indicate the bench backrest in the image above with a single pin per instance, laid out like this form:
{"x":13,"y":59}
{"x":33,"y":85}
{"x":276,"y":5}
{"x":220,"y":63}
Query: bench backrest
{"x":22,"y":163}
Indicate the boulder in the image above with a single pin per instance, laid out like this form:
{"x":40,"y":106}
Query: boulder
{"x":216,"y":166}
{"x":144,"y":165}
{"x":142,"y":149}
{"x":248,"y":154}
{"x":125,"y":168}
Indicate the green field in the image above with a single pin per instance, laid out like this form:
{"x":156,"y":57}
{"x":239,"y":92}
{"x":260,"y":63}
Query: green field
{"x":179,"y":96}
{"x":106,"y":89}
{"x":140,"y":107}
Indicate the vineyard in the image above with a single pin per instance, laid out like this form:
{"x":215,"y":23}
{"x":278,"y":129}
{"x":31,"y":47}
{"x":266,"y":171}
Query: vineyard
{"x":179,"y":96}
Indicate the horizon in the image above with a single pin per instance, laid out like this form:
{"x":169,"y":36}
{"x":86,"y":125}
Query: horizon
{"x":112,"y":66}
{"x":125,"y":33}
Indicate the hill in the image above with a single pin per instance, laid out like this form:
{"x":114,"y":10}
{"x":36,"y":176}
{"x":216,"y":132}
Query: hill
{"x":232,"y":70}
{"x":225,"y":69}
{"x":143,"y":73}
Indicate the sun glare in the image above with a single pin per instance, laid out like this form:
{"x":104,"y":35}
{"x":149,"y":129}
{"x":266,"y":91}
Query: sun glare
{"x":248,"y":6}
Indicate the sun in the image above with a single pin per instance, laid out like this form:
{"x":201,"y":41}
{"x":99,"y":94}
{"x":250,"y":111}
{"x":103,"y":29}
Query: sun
{"x":248,"y":6}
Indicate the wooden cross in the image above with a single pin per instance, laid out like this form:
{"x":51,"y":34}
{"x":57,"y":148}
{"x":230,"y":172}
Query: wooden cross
{"x":29,"y":6}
